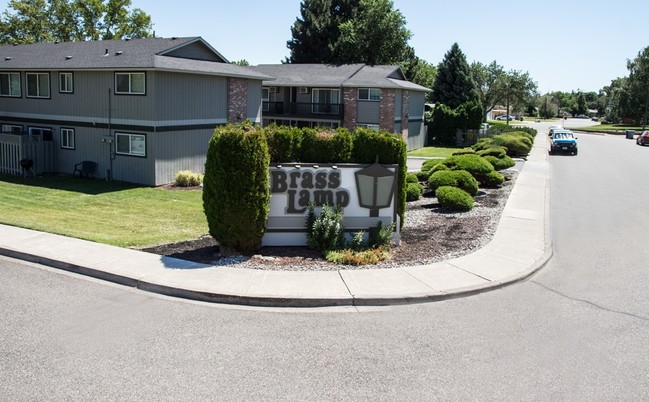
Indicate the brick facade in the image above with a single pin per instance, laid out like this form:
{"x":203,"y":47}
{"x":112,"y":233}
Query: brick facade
{"x":405,"y":115}
{"x":237,"y":100}
{"x":386,"y":111}
{"x":350,"y":106}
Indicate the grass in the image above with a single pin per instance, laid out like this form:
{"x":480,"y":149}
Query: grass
{"x":434,"y":152}
{"x":115,"y":213}
{"x":611,"y":128}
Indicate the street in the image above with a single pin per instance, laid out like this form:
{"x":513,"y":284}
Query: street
{"x":577,"y":330}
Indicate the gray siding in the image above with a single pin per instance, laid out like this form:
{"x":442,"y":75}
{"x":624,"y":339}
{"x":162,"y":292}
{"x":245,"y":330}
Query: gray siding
{"x":190,"y":97}
{"x":180,"y":150}
{"x":416,"y":128}
{"x":368,"y":112}
{"x":196,"y":51}
{"x":254,"y":101}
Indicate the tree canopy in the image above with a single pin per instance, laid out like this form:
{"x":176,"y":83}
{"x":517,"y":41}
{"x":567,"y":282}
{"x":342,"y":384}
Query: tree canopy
{"x":349,"y":31}
{"x":33,"y":21}
{"x":454,"y":84}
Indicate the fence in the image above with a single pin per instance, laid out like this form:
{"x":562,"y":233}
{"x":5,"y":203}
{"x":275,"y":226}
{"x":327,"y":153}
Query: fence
{"x":17,"y":147}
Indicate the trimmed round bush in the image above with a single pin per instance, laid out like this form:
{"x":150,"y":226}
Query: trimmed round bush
{"x":504,"y":162}
{"x":454,"y":178}
{"x":422,"y":175}
{"x":454,"y":198}
{"x":442,"y":178}
{"x":478,"y":166}
{"x":495,"y":150}
{"x":413,"y":191}
{"x":493,"y":180}
{"x":465,"y":151}
{"x":428,"y":165}
{"x":411,"y":178}
{"x":466,"y":182}
{"x":517,"y":145}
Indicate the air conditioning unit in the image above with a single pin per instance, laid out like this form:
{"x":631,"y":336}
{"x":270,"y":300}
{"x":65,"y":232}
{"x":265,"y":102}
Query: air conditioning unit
{"x":304,"y":90}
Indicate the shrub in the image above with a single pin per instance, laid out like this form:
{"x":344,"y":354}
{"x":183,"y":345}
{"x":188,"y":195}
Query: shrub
{"x":494,"y":150}
{"x":504,"y":162}
{"x":454,"y":178}
{"x":236,"y":187}
{"x":466,"y":182}
{"x":411,"y":178}
{"x":517,"y":145}
{"x":355,"y":257}
{"x":422,"y":176}
{"x":381,"y":236}
{"x":493,"y":180}
{"x":478,"y":166}
{"x":325,"y":146}
{"x":454,"y":198}
{"x":325,"y":231}
{"x":187,"y":178}
{"x":428,"y":165}
{"x":413,"y":191}
{"x":465,"y":151}
{"x":283,"y":142}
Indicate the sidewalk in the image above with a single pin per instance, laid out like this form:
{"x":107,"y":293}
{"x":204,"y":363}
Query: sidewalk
{"x":520,"y":247}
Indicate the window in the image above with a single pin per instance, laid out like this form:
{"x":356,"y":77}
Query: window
{"x":65,"y":83}
{"x":10,"y":128}
{"x":40,"y":134}
{"x":130,"y":83}
{"x":265,"y":98}
{"x":131,"y":144}
{"x":38,"y":85}
{"x":67,"y":138}
{"x":10,"y":84}
{"x":325,"y":101}
{"x":369,"y":126}
{"x":371,"y":94}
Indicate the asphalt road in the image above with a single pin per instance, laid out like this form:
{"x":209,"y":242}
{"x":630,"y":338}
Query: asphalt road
{"x":578,"y":330}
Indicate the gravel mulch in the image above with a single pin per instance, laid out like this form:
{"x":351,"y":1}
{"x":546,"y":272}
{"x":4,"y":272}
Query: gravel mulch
{"x":429,"y":235}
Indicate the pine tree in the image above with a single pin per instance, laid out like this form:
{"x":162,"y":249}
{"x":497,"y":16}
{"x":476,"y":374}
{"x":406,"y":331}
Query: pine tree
{"x":453,"y":84}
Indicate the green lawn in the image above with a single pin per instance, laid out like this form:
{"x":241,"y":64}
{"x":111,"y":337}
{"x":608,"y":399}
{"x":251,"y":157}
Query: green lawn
{"x":114,"y":213}
{"x":610,"y":128}
{"x":434,"y":152}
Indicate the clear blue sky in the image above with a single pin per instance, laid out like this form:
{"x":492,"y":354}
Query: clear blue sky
{"x":564,"y":45}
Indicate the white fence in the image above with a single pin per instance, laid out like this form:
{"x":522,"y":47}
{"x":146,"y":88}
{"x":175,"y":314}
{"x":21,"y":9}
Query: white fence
{"x":17,"y":147}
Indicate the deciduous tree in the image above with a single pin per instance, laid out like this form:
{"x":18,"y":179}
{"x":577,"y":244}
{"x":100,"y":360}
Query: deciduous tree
{"x":33,"y":21}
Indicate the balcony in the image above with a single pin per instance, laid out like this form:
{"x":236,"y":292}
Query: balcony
{"x":303,"y":110}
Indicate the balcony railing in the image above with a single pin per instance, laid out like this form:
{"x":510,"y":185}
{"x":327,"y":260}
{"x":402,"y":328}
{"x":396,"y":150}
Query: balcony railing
{"x":313,"y":110}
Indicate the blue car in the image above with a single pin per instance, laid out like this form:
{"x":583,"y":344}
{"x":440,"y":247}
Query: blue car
{"x":563,"y":141}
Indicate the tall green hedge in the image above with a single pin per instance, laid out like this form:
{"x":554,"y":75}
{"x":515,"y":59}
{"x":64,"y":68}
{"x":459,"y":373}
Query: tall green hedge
{"x":236,"y":191}
{"x":324,"y":146}
{"x":390,"y":149}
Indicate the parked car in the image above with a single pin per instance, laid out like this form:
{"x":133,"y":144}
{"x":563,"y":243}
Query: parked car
{"x":552,"y":128}
{"x":505,"y":117}
{"x":594,"y":118}
{"x":563,"y":141}
{"x":582,"y":116}
{"x":643,"y":139}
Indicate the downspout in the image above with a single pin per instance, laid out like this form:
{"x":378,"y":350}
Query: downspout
{"x":111,"y":153}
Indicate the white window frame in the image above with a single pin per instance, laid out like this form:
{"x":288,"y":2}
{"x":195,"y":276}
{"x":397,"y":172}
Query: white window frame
{"x":134,"y":149}
{"x":130,"y":90}
{"x":67,"y":138}
{"x":372,"y":94}
{"x":39,"y":133}
{"x":66,"y":82}
{"x":15,"y":90}
{"x":39,"y":93}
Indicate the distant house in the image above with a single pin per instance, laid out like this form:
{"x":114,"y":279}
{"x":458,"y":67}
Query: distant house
{"x":352,"y":95}
{"x":142,"y":109}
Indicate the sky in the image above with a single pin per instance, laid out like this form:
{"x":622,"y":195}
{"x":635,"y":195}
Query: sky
{"x":569,"y":45}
